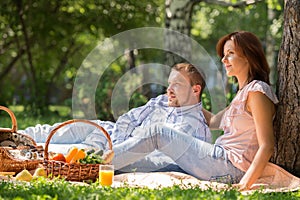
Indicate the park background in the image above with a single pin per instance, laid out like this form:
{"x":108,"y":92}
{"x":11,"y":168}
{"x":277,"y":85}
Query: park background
{"x":43,"y":44}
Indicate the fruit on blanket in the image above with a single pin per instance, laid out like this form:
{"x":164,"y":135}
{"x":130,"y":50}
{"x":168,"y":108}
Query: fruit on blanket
{"x":79,"y":155}
{"x":39,"y":172}
{"x":72,"y":152}
{"x":24,"y":175}
{"x":58,"y":157}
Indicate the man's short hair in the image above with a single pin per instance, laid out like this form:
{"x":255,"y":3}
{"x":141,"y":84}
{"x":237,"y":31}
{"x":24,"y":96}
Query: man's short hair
{"x":195,"y":74}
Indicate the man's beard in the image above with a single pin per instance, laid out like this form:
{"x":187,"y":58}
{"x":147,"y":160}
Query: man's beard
{"x":174,"y":103}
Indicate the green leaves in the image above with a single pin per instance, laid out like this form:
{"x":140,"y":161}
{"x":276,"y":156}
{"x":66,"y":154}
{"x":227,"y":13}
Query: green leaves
{"x":43,"y":52}
{"x":60,"y":189}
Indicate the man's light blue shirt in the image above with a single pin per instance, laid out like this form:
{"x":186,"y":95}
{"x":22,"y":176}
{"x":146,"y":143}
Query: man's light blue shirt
{"x":188,"y":119}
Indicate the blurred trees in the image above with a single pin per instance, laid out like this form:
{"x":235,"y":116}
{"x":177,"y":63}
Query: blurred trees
{"x":43,"y":43}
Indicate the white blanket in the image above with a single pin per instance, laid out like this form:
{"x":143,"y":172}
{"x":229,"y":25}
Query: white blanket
{"x":274,"y":179}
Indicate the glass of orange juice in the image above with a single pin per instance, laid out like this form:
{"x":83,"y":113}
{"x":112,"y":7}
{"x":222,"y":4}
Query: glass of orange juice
{"x":106,"y":175}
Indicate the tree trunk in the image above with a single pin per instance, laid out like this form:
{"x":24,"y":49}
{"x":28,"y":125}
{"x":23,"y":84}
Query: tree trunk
{"x":287,"y":121}
{"x":270,"y":49}
{"x":178,"y":18}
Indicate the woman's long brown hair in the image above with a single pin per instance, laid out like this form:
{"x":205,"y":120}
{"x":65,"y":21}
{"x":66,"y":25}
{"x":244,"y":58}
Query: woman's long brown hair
{"x":248,"y":45}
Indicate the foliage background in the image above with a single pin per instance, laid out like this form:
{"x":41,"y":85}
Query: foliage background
{"x":44,"y":42}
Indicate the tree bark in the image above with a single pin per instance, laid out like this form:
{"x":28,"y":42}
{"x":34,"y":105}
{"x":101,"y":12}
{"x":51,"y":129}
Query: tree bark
{"x":287,"y":121}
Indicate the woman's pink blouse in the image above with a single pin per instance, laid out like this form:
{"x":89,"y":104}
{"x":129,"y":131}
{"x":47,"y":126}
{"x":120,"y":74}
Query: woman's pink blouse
{"x":239,"y":137}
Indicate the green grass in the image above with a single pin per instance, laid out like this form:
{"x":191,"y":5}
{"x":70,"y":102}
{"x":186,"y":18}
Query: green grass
{"x":58,"y":189}
{"x":26,"y":119}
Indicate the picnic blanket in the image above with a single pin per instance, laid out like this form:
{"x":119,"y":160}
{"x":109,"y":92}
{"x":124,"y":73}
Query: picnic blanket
{"x":274,"y":179}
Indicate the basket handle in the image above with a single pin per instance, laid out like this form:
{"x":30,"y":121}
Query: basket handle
{"x":14,"y":127}
{"x":70,"y":122}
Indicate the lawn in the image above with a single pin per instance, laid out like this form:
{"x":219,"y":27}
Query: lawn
{"x":25,"y":119}
{"x":58,"y":189}
{"x":43,"y":189}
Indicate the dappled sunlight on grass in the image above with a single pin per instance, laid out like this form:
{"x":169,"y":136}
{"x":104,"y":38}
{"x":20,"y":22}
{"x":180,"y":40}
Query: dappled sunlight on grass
{"x":25,"y":118}
{"x":60,"y":189}
{"x":61,"y":110}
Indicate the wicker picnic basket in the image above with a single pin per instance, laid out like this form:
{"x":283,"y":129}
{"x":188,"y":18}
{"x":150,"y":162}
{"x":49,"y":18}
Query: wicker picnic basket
{"x":73,"y":171}
{"x":11,"y":140}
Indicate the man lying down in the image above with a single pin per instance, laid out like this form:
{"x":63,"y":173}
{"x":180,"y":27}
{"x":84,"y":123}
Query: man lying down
{"x":180,"y":108}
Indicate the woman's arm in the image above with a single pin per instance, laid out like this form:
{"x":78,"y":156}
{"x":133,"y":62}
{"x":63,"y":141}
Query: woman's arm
{"x":262,"y":110}
{"x":213,"y":121}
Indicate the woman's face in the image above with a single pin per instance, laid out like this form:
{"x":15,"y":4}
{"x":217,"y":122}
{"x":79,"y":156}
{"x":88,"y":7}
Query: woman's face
{"x":234,"y":63}
{"x":180,"y":92}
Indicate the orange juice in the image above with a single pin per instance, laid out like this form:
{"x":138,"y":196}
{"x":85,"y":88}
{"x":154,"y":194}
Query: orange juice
{"x":106,"y":177}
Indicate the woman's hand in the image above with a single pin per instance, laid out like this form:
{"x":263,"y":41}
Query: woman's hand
{"x":241,"y":187}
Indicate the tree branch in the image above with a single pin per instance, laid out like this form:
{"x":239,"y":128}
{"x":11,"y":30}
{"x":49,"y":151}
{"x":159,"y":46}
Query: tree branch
{"x":61,"y":66}
{"x":235,"y":5}
{"x":27,"y":43}
{"x":11,"y":64}
{"x":5,"y":46}
{"x":64,"y":60}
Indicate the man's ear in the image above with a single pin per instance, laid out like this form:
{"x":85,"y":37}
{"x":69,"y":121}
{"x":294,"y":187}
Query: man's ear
{"x":197,"y":89}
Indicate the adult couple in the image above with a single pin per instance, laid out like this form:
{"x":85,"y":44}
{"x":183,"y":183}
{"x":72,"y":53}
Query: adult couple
{"x":241,"y":154}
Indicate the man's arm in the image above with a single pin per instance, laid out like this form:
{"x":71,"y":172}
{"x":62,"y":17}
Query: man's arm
{"x":126,"y":123}
{"x":213,"y":120}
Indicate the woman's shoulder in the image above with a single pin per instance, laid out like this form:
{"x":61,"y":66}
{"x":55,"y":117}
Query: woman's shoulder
{"x":259,"y":86}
